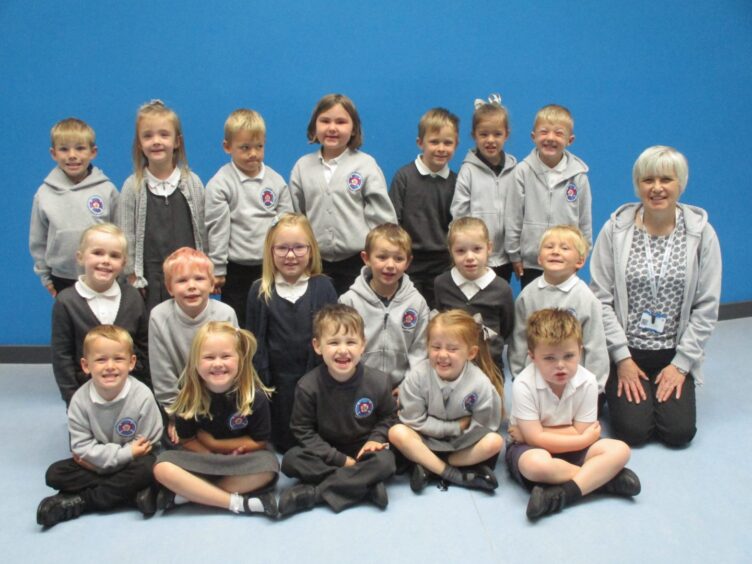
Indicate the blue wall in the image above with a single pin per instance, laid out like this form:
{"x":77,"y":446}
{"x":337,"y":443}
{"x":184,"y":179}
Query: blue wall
{"x":634,"y":74}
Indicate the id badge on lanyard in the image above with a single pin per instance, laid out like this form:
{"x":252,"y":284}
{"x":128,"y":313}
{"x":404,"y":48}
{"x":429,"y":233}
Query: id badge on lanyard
{"x":652,"y":320}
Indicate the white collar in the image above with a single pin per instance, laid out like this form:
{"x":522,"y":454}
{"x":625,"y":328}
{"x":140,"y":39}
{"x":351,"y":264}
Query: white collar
{"x":279,"y":280}
{"x":425,"y":171}
{"x":85,"y":291}
{"x":481,"y":282}
{"x":187,"y":318}
{"x":560,"y":166}
{"x":172,"y":181}
{"x":244,"y":177}
{"x":565,"y":286}
{"x":97,"y":398}
{"x":569,"y":388}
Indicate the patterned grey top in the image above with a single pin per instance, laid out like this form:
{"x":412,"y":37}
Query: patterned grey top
{"x":670,"y":289}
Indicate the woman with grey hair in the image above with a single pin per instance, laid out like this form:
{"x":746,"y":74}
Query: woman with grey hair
{"x":656,"y":268}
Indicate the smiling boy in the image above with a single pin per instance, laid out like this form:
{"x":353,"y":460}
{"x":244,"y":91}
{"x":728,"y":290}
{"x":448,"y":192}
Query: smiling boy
{"x":422,"y":194}
{"x":113,"y":422}
{"x":550,"y":188}
{"x":394,"y":312}
{"x":341,"y":416}
{"x":243,"y":199}
{"x":74,"y":196}
{"x":557,"y":452}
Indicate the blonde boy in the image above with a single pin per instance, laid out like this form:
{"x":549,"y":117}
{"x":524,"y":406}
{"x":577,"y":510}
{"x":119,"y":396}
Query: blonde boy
{"x":242,"y":201}
{"x":394,"y":312}
{"x":74,"y":196}
{"x":550,"y":187}
{"x":189,"y":277}
{"x":113,"y":422}
{"x":562,"y":252}
{"x":422,"y":192}
{"x":557,"y":451}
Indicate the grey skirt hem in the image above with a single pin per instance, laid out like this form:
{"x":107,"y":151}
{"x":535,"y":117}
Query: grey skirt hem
{"x":454,"y":444}
{"x":211,"y":464}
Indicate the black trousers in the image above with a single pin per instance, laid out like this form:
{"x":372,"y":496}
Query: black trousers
{"x":61,"y":284}
{"x":339,"y":486}
{"x":672,"y":422}
{"x":344,"y":272}
{"x":528,"y":276}
{"x":102,"y":491}
{"x":237,"y":283}
{"x":504,"y":271}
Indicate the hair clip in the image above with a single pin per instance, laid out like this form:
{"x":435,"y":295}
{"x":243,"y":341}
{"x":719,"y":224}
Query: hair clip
{"x":487,"y":332}
{"x":493,"y":99}
{"x":276,"y":219}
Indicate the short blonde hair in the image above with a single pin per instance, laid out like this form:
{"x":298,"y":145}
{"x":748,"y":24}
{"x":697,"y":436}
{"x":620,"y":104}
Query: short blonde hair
{"x":394,"y":234}
{"x":552,"y":326}
{"x":183,"y":258}
{"x":571,"y":234}
{"x":660,"y":160}
{"x":338,"y":317}
{"x":466,"y":223}
{"x":435,"y":119}
{"x":269,"y":270}
{"x":108,"y":229}
{"x":556,"y":115}
{"x":244,"y":120}
{"x":327,"y":103}
{"x":193,"y":399}
{"x":109,"y":332}
{"x":72,"y":129}
{"x":179,"y":158}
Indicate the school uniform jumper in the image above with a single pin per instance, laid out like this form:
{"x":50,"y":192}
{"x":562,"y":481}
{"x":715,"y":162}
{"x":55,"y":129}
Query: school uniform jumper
{"x":574,"y":296}
{"x":494,"y":304}
{"x":60,"y":213}
{"x":226,"y":422}
{"x":283,"y":332}
{"x":72,"y":319}
{"x":155,"y":226}
{"x":422,"y":203}
{"x":395,"y":333}
{"x":171,"y":333}
{"x":101,"y":433}
{"x":333,"y":420}
{"x":239,"y":211}
{"x":533,"y":206}
{"x":432,"y":407}
{"x":483,"y":194}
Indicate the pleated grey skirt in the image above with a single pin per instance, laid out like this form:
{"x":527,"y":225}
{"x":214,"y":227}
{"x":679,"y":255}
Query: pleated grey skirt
{"x":211,"y":464}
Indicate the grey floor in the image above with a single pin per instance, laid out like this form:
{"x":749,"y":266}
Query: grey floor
{"x":695,"y":505}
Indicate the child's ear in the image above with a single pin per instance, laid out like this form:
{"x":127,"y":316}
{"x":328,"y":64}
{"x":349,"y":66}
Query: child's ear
{"x":226,"y":146}
{"x":85,"y":365}
{"x":581,"y":262}
{"x":52,"y":154}
{"x":473,"y":352}
{"x":364,"y":256}
{"x":79,"y":257}
{"x":316,"y":346}
{"x":571,"y":139}
{"x":419,"y":142}
{"x":132,"y":363}
{"x":94,"y":151}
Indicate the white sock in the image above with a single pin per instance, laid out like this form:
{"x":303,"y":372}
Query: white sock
{"x":236,"y":503}
{"x":255,"y":505}
{"x":180,"y":500}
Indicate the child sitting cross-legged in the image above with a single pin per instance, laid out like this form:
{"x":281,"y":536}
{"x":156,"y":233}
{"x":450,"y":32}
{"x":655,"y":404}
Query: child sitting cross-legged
{"x":557,"y":451}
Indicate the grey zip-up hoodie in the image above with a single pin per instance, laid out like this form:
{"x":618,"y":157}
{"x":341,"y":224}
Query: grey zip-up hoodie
{"x":702,"y":289}
{"x":533,"y":207}
{"x":61,"y":212}
{"x":480,"y":193}
{"x":395,"y":334}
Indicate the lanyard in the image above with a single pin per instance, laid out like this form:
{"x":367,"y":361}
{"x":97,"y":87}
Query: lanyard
{"x":655,"y":283}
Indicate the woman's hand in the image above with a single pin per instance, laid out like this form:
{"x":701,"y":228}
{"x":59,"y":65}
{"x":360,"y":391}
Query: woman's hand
{"x":629,"y":375}
{"x":668,"y":380}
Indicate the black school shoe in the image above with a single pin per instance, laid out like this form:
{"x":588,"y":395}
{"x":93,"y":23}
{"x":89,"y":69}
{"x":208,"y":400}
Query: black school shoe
{"x":146,"y":501}
{"x":479,"y":477}
{"x":377,"y":495}
{"x":544,"y":501}
{"x":625,"y":483}
{"x":58,"y":508}
{"x":268,"y":500}
{"x":297,"y":498}
{"x":418,"y":478}
{"x":165,"y":499}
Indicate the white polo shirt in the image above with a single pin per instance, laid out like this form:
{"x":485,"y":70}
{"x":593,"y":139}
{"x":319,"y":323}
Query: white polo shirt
{"x":534,"y":400}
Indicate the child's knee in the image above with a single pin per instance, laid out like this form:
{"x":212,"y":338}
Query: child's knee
{"x":492,"y":444}
{"x":616,"y":449}
{"x":163,"y":471}
{"x":399,"y":434}
{"x":535,"y":465}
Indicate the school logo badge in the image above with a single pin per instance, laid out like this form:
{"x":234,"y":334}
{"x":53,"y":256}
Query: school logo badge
{"x":268,"y":198}
{"x":409,"y":318}
{"x":470,"y":400}
{"x":96,"y":205}
{"x":355,"y":182}
{"x":363,"y":408}
{"x":571,"y":192}
{"x":126,"y":427}
{"x":237,"y":421}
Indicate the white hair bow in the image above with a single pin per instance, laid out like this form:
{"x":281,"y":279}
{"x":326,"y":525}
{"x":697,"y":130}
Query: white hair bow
{"x":494,"y":99}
